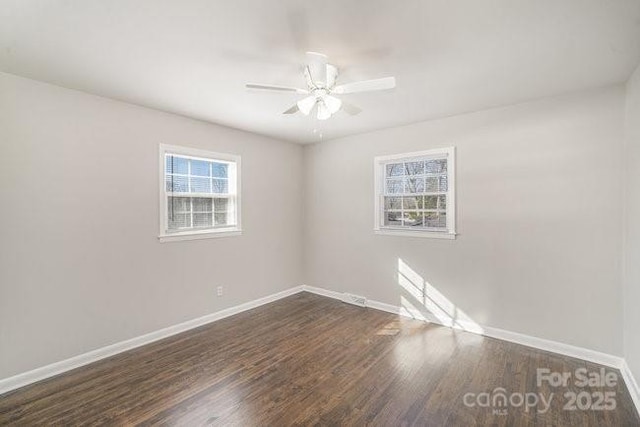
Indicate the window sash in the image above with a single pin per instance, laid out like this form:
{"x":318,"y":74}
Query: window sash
{"x":189,"y":179}
{"x":229,"y":212}
{"x":231,"y":219}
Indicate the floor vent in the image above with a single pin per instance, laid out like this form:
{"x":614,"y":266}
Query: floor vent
{"x":354,"y":299}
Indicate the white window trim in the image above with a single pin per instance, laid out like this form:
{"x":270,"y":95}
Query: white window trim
{"x":379,"y":176}
{"x":235,"y":230}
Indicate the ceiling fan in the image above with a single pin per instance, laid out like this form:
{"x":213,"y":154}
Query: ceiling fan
{"x":321,"y":78}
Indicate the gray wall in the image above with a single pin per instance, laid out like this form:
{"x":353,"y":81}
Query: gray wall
{"x":539,"y":215}
{"x":631,"y":291}
{"x":539,"y":208}
{"x":80,"y":263}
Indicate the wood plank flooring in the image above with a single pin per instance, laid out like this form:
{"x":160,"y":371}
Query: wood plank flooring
{"x":310,"y":360}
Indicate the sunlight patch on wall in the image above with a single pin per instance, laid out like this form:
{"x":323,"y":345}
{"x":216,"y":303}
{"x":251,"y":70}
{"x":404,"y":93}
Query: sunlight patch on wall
{"x":424,"y":302}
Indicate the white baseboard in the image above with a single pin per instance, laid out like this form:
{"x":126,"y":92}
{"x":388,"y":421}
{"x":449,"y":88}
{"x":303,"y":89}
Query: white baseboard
{"x":323,"y":292}
{"x":555,"y":347}
{"x":29,"y":377}
{"x":632,"y":385}
{"x":53,"y":369}
{"x":539,"y":343}
{"x":527,"y":340}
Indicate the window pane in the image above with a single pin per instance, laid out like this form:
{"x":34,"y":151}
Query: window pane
{"x":395,"y":186}
{"x":443,"y":186}
{"x":175,"y":164}
{"x":395,"y":169}
{"x":414,"y":185}
{"x":435,"y":219}
{"x":178,"y":204}
{"x":220,"y":170}
{"x":200,"y":168}
{"x":431,"y":202}
{"x":202,"y":204}
{"x":412,"y":202}
{"x":436,"y":166}
{"x":177,"y":221}
{"x":412,"y":219}
{"x":392,"y":218}
{"x":442,"y":202}
{"x":202,"y":220}
{"x":221,"y":205}
{"x":220,"y":186}
{"x":200,"y":185}
{"x":415,"y":168}
{"x":392,"y":203}
{"x":431,"y":184}
{"x":177,"y":183}
{"x":221,"y":218}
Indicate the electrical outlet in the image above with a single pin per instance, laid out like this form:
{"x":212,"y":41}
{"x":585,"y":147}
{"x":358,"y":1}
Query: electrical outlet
{"x":219,"y":291}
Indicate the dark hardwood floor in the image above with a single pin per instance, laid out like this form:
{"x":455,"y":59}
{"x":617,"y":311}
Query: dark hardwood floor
{"x":310,"y":360}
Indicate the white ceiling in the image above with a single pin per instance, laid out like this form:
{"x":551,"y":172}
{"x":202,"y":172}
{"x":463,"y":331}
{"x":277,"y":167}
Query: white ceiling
{"x":192,"y":57}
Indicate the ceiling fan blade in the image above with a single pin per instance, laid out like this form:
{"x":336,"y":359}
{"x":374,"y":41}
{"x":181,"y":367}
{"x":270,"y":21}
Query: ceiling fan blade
{"x":366,"y":85}
{"x":350,"y":108}
{"x":332,"y":74}
{"x":292,"y":110}
{"x":332,"y":103}
{"x":317,"y":63}
{"x":275,"y":88}
{"x":305,"y":105}
{"x":307,"y":78}
{"x":323,"y":111}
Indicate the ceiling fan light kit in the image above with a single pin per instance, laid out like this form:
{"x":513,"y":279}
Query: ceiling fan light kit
{"x":321,"y":78}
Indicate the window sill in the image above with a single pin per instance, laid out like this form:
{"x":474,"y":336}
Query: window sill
{"x":197,"y":235}
{"x":414,"y":233}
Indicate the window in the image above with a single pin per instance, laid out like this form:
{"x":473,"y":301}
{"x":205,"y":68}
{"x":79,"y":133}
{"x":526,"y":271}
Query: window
{"x":199,"y":194}
{"x":415,"y":194}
